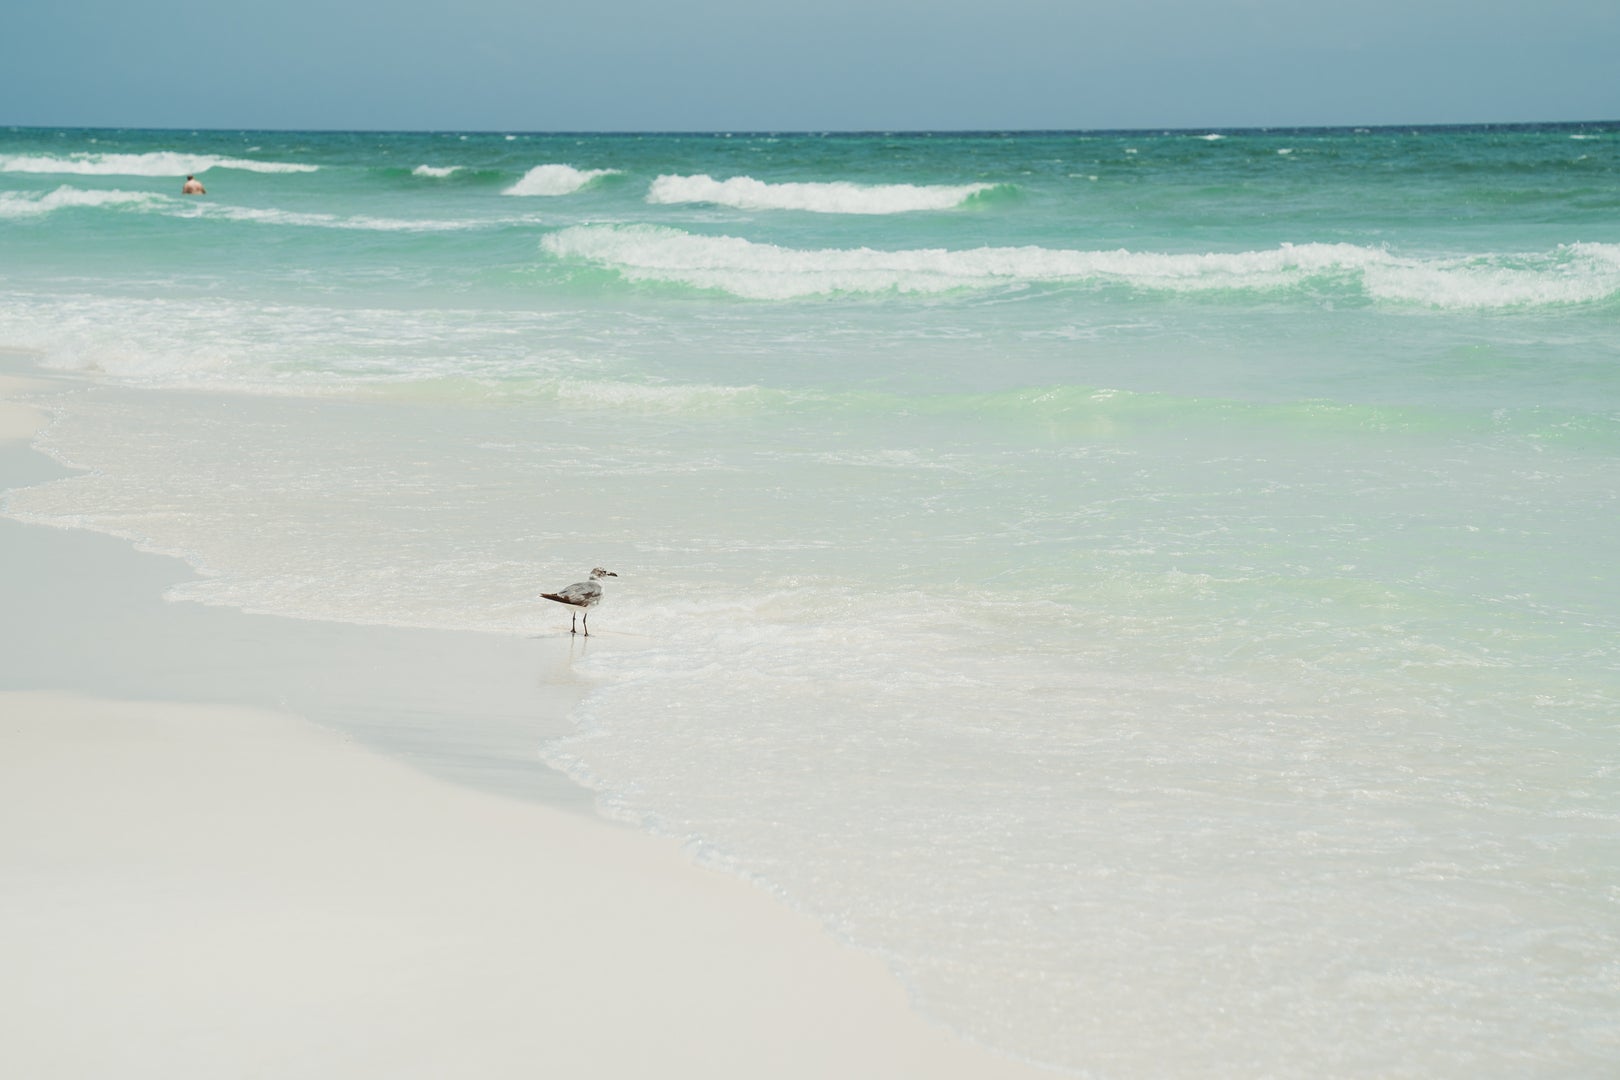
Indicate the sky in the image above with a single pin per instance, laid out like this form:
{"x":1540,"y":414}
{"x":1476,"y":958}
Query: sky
{"x":766,"y":65}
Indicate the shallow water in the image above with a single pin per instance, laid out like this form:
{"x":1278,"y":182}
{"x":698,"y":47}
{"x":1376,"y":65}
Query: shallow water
{"x":1155,"y":589}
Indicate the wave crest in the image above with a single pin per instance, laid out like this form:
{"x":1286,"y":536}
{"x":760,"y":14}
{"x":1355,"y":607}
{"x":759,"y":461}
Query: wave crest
{"x":155,"y":163}
{"x":437,"y":172}
{"x":1580,"y":273}
{"x":361,"y":222}
{"x":616,"y":396}
{"x":1575,"y":273}
{"x":18,"y":204}
{"x":839,"y":197}
{"x":556,"y":180}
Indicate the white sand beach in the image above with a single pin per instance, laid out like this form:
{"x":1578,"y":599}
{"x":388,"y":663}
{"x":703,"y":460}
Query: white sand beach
{"x":192,"y":889}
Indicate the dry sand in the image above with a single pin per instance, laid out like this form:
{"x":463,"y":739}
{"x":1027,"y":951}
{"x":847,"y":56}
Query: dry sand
{"x":201,"y":891}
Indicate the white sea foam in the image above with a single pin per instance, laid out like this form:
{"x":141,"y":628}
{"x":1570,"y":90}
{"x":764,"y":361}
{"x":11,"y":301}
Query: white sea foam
{"x":155,"y":163}
{"x":556,"y":180}
{"x":437,"y":172}
{"x":256,"y":346}
{"x":1574,"y":274}
{"x":1571,"y":274}
{"x":138,"y":340}
{"x":20,"y":204}
{"x":840,"y":197}
{"x":304,"y":219}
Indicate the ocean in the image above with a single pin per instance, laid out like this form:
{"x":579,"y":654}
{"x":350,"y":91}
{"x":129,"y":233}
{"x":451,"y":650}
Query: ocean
{"x":1155,"y":589}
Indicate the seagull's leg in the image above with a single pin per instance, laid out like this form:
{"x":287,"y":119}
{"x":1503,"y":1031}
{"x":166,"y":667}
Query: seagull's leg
{"x":571,"y":616}
{"x":585,"y":620}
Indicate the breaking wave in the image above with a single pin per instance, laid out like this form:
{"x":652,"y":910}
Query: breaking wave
{"x":841,"y":197}
{"x":18,"y":204}
{"x":437,"y":172}
{"x":306,"y":219}
{"x":1570,"y":274}
{"x":155,"y":163}
{"x":556,"y":180}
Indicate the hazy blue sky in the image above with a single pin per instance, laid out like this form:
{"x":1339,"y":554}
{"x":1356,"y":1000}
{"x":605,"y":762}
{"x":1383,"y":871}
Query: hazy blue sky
{"x":833,"y":64}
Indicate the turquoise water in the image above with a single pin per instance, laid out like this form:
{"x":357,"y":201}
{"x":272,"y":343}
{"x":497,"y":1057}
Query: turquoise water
{"x":1154,"y":588}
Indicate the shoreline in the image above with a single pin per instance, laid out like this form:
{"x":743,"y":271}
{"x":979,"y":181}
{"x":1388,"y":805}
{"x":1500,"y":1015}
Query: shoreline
{"x":236,"y":842}
{"x":89,"y":615}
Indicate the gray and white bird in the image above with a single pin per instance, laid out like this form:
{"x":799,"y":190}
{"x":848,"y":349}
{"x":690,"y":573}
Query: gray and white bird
{"x":582,"y":595}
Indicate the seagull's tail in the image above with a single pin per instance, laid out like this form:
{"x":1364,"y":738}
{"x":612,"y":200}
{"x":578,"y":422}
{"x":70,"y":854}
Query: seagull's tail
{"x":556,"y":597}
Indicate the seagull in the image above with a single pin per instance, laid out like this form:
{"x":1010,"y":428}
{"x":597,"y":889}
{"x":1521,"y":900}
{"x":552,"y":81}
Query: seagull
{"x":582,"y":594}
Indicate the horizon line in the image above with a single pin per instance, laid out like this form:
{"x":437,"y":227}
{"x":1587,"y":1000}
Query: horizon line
{"x":863,"y":132}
